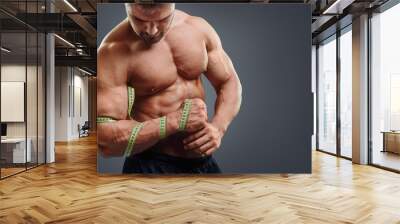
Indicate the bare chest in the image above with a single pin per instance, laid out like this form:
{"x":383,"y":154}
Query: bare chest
{"x":162,"y":65}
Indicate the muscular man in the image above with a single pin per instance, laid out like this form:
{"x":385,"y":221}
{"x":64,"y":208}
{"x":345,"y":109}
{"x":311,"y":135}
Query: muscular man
{"x":161,"y":53}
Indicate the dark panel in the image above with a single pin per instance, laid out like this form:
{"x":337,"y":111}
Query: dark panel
{"x":49,"y":22}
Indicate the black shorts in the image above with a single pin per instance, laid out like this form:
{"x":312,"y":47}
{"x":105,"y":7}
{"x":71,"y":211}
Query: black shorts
{"x":150,"y":161}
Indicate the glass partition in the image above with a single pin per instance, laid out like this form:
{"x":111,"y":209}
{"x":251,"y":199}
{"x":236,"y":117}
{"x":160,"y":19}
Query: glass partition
{"x":346,"y":93}
{"x":327,"y":95}
{"x":385,"y":89}
{"x":22,"y":90}
{"x":13,"y":105}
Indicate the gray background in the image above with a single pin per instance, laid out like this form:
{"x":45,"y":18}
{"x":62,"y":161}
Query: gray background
{"x":270,"y":47}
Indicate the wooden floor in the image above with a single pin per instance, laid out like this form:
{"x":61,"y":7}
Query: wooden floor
{"x":70,"y":191}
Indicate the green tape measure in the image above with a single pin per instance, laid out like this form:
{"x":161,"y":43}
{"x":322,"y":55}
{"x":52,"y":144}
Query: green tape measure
{"x":132,"y":138}
{"x":131,"y":99}
{"x":100,"y":120}
{"x":163,"y":127}
{"x":185,"y":114}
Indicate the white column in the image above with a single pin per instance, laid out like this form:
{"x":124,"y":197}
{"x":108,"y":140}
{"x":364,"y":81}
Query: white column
{"x":50,"y":93}
{"x":50,"y":99}
{"x":360,"y":89}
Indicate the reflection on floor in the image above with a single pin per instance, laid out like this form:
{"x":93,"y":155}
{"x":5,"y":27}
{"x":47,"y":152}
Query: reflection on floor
{"x":347,"y":152}
{"x":71,"y":191}
{"x":386,"y":159}
{"x":8,"y":170}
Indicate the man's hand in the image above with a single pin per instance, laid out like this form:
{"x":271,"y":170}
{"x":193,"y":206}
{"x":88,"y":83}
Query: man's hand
{"x":204,"y":141}
{"x":197,"y":117}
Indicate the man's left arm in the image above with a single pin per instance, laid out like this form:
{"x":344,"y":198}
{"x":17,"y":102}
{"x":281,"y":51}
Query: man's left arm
{"x":222,"y":75}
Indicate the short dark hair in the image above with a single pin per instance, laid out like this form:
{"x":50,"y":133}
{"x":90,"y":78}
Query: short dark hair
{"x":147,"y":5}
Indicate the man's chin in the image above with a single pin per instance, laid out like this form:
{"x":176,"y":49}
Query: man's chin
{"x":152,"y":41}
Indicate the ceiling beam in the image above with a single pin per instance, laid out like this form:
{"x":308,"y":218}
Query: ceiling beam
{"x":79,"y":61}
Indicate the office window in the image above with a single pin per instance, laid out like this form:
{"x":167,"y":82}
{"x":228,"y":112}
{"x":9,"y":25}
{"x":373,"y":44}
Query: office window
{"x":346,"y":93}
{"x":14,"y":153}
{"x":22,"y":91}
{"x":385,"y":88}
{"x":327,"y":95}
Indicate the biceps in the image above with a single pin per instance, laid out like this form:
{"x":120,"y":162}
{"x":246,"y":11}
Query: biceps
{"x":220,"y":68}
{"x":111,"y":87}
{"x":112,"y":102}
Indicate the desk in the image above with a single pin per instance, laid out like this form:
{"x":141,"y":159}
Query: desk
{"x":391,"y":141}
{"x":13,"y":150}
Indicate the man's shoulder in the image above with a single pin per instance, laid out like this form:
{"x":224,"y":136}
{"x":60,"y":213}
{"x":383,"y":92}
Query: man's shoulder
{"x":184,"y":19}
{"x":202,"y":26}
{"x":196,"y":22}
{"x":116,"y":41}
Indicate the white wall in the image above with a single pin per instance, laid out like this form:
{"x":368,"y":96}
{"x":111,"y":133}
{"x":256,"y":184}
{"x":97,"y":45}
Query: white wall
{"x":61,"y":103}
{"x":79,"y":117}
{"x":70,"y":83}
{"x":15,"y":72}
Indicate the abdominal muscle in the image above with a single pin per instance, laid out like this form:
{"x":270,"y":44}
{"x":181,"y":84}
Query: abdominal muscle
{"x":164,"y":102}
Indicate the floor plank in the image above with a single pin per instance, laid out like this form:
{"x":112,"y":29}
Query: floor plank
{"x":70,"y":191}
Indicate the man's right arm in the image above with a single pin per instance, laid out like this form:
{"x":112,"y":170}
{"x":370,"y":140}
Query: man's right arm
{"x":112,"y":96}
{"x":113,"y":137}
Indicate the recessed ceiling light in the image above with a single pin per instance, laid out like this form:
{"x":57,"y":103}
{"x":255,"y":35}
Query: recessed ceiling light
{"x":70,"y":5}
{"x":84,"y":71}
{"x":337,"y":7}
{"x":64,"y":40}
{"x":5,"y":50}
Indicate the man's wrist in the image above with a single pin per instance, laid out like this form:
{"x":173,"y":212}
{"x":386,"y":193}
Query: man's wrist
{"x":172,"y":123}
{"x":222,"y":127}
